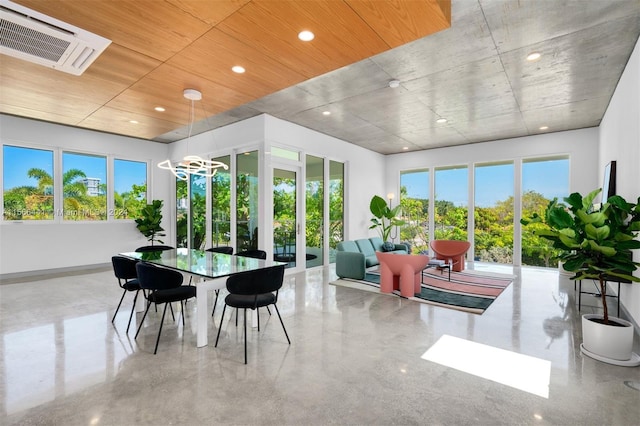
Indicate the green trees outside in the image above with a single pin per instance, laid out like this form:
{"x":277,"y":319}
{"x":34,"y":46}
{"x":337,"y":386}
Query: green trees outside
{"x":493,"y":234}
{"x":36,"y":202}
{"x":128,"y":204}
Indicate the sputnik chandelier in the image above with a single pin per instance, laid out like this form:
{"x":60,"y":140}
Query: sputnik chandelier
{"x":192,"y":164}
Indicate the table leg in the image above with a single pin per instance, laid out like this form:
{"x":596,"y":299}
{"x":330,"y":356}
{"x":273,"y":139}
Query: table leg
{"x":202,"y":308}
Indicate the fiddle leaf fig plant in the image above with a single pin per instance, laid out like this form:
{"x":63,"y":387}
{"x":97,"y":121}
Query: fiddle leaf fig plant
{"x":596,"y":244}
{"x":149,"y":222}
{"x":385,"y":218}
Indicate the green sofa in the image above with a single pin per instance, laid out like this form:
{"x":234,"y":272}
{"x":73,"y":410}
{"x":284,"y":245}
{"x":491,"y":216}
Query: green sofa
{"x":354,"y":257}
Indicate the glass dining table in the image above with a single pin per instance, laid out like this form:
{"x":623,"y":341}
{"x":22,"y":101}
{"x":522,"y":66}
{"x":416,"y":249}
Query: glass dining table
{"x":212,"y":268}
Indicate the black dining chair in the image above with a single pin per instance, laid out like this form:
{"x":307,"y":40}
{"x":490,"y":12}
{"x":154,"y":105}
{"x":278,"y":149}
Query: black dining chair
{"x":252,"y":290}
{"x":221,"y":249}
{"x":145,"y":249}
{"x":164,"y":286}
{"x":256,"y":254}
{"x":125,"y":271}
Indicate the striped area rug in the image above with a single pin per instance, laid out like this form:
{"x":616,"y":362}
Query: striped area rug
{"x":469,"y":291}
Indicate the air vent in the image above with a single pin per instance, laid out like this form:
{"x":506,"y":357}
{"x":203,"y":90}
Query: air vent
{"x":37,"y":38}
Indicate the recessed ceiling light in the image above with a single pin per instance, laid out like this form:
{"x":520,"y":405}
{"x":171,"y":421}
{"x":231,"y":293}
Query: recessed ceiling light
{"x":534,"y":56}
{"x":405,"y":148}
{"x":133,"y":122}
{"x":326,"y":112}
{"x":394,"y":83}
{"x":544,"y":127}
{"x":441,"y":120}
{"x":306,"y":35}
{"x":237,"y":69}
{"x":159,"y":109}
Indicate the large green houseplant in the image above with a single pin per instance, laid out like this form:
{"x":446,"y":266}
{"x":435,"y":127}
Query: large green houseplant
{"x":385,"y":217}
{"x":149,"y":222}
{"x":595,"y":243}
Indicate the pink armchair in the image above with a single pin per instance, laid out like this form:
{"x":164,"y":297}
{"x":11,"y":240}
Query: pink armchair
{"x":451,"y":251}
{"x":401,"y":272}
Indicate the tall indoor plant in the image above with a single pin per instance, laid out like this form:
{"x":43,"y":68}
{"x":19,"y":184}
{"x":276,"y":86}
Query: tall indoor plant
{"x":149,"y":222}
{"x":596,"y":244}
{"x":385,"y":217}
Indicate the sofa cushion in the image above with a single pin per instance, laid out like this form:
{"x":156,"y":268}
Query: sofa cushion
{"x":350,"y":246}
{"x":369,"y":252}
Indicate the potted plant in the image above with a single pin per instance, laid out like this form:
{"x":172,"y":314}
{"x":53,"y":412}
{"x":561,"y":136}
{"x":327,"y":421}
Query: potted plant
{"x":149,"y":222}
{"x":385,"y":218}
{"x":597,"y":244}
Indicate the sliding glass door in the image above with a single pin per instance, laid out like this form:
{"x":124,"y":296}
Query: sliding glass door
{"x":451,"y":203}
{"x":493,"y":212}
{"x":414,"y":199}
{"x":314,"y":205}
{"x":285,"y":216}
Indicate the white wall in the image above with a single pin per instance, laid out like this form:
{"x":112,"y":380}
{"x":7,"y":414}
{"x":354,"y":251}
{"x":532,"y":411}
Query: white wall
{"x":581,"y":145}
{"x":620,"y":141}
{"x":30,"y":246}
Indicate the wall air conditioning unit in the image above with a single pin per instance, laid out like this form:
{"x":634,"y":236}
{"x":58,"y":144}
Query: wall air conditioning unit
{"x":35,"y":37}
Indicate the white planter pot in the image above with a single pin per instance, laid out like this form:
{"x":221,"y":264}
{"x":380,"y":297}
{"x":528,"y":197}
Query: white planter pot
{"x":607,"y":341}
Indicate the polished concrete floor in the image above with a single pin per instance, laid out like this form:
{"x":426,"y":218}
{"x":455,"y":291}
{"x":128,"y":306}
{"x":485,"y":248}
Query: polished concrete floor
{"x":356,"y":358}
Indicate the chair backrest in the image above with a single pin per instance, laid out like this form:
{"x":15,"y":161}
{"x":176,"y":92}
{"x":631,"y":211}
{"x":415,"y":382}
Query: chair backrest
{"x":144,"y":249}
{"x":221,"y":249}
{"x":256,"y":254}
{"x":124,"y":268}
{"x":258,"y":281}
{"x":154,"y":278}
{"x":450,"y":247}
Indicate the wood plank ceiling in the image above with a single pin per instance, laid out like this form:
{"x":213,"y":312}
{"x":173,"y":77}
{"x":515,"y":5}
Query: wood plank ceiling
{"x":160,"y":48}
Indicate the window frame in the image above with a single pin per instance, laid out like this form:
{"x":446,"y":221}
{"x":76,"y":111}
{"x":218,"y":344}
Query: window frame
{"x":57,"y":186}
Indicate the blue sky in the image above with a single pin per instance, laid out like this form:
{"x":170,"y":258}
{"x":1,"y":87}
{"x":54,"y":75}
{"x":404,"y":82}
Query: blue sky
{"x":550,"y":178}
{"x":18,"y":161}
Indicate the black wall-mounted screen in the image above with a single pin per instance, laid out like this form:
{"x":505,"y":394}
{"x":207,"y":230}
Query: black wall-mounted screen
{"x":609,"y":184}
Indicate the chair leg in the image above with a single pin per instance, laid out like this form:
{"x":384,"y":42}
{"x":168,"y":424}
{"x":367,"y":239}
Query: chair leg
{"x":118,"y":308}
{"x":237,"y":316}
{"x":160,"y":331}
{"x":268,"y":310}
{"x":172,"y":316}
{"x":142,"y":320}
{"x":245,"y":335}
{"x":285,"y":330}
{"x":215,"y":302}
{"x":182,"y":309}
{"x":133,"y":308}
{"x":220,"y":328}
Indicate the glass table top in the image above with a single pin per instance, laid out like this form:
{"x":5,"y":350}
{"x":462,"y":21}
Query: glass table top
{"x":202,"y":263}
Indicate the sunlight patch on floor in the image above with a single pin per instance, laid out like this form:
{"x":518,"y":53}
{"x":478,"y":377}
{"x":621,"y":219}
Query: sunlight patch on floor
{"x":518,"y":371}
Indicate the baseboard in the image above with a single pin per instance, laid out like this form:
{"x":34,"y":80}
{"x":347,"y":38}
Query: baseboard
{"x":21,"y":277}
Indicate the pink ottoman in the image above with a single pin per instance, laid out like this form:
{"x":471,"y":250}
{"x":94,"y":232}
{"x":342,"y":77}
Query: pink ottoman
{"x":401,"y":272}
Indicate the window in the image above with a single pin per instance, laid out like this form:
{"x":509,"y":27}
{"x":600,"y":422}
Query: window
{"x":182,"y":200}
{"x":451,"y":203}
{"x":543,"y":179}
{"x":336,"y":205}
{"x":130,"y":188}
{"x":247,"y":201}
{"x":84,"y":183}
{"x":414,"y":199}
{"x":198,"y":211}
{"x":493,"y":212}
{"x":28,"y":183}
{"x":221,"y":205}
